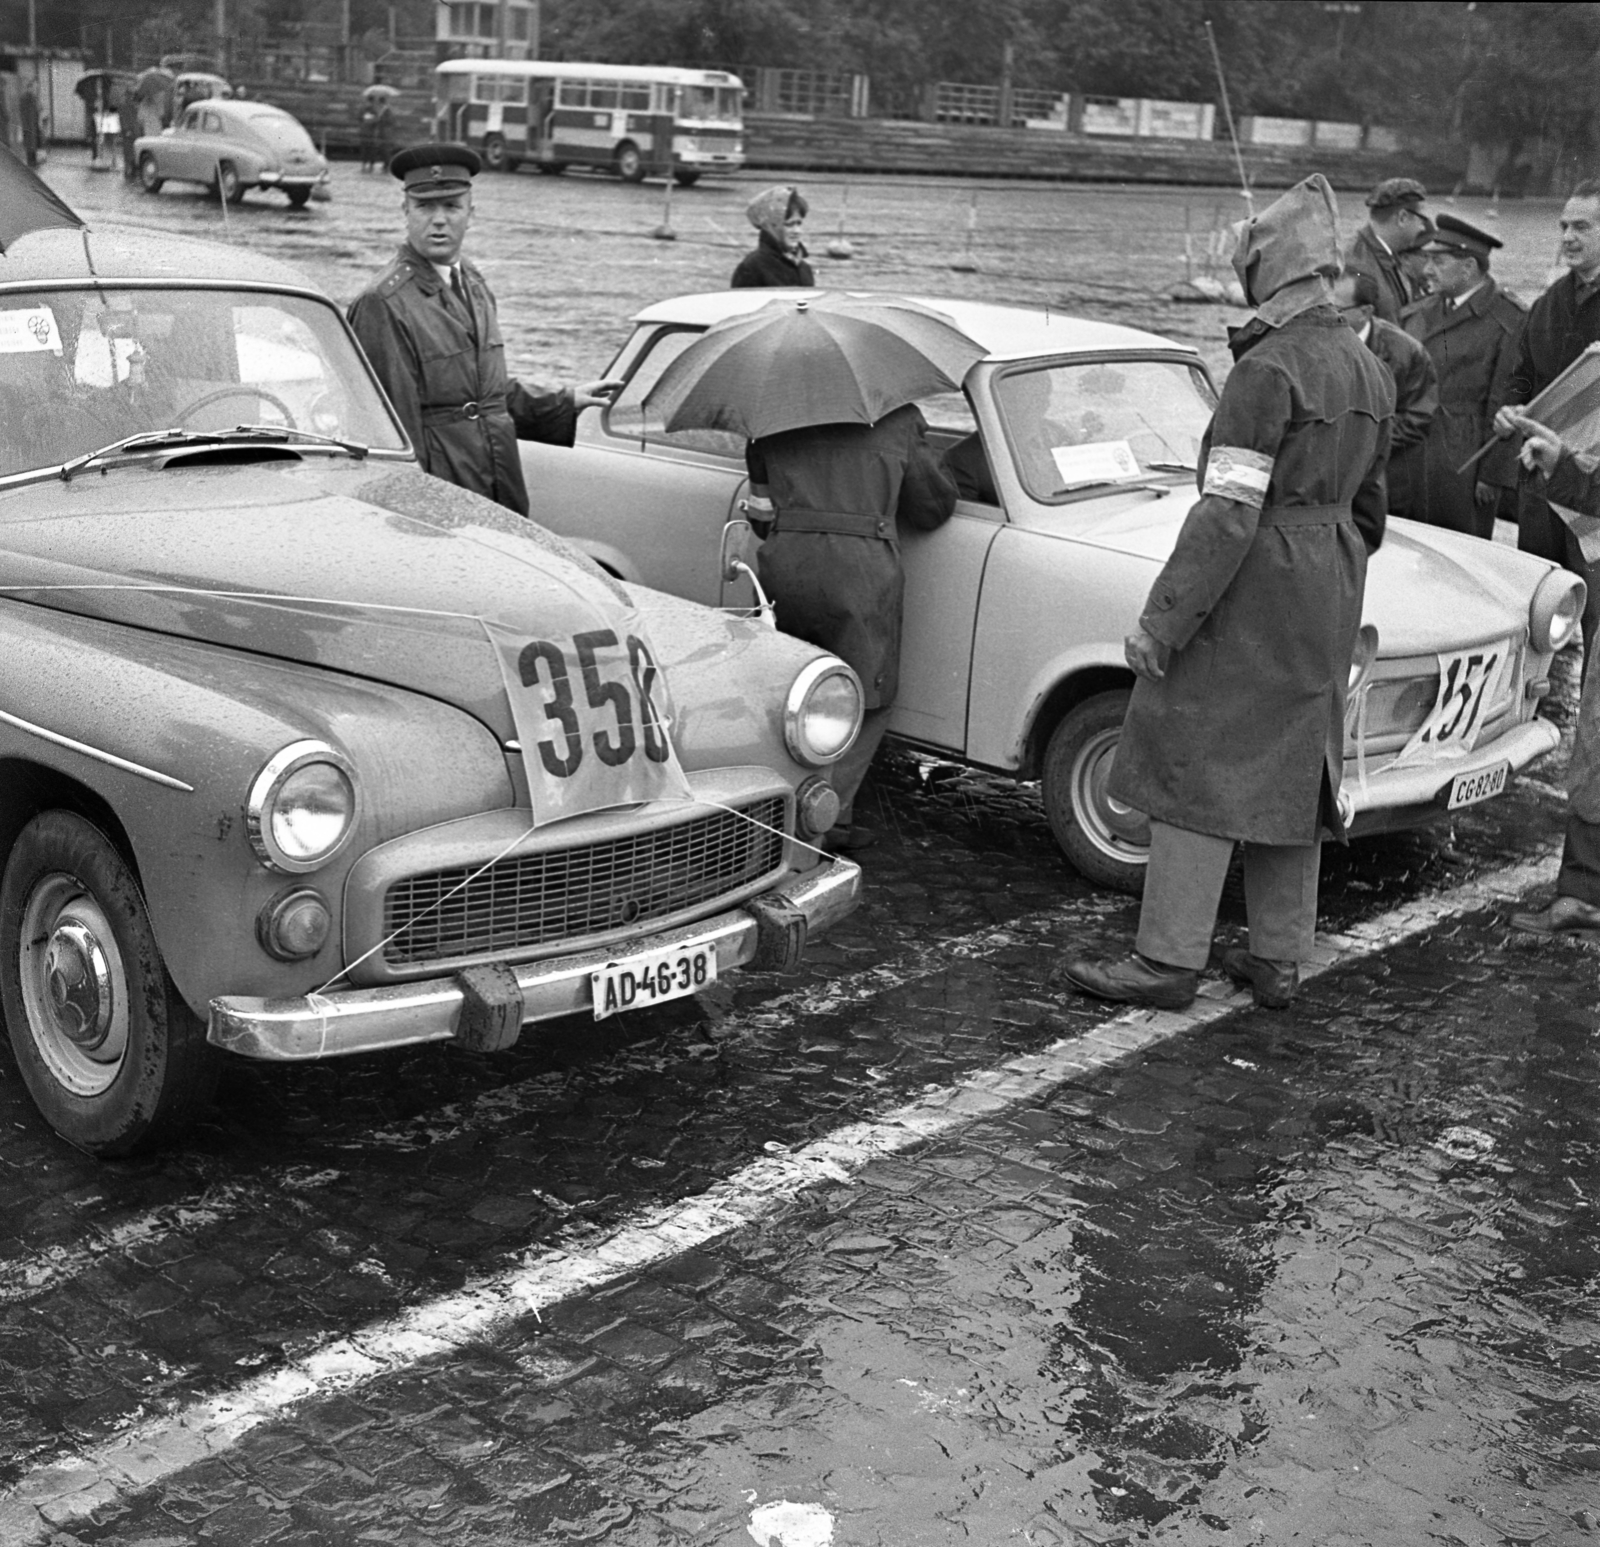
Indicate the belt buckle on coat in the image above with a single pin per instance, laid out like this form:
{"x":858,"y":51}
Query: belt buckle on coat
{"x":471,"y":411}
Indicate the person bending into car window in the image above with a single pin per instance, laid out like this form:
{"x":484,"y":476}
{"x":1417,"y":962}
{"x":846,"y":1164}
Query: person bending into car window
{"x":832,"y":562}
{"x":431,"y":330}
{"x":1235,"y":731}
{"x":779,"y":256}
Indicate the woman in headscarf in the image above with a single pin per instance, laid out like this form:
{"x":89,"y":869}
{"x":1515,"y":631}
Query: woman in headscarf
{"x":779,"y":256}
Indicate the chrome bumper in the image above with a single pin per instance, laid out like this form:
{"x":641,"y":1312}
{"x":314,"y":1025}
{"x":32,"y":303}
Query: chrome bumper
{"x":769,"y":930}
{"x":1427,"y":781}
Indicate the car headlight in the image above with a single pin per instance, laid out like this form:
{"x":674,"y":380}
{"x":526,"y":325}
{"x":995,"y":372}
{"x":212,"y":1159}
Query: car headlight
{"x":1556,"y":611}
{"x":1361,"y":659}
{"x":302,"y":807}
{"x":822,"y":714}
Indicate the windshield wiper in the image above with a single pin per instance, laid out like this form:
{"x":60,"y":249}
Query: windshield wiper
{"x":1110,"y":483}
{"x":1170,"y":467}
{"x":153,"y":440}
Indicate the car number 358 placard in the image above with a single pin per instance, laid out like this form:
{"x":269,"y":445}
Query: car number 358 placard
{"x":593,"y":719}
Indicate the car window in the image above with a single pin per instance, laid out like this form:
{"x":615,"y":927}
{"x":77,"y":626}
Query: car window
{"x":626,"y":416}
{"x":191,"y":121}
{"x":1075,"y":424}
{"x":211,"y":124}
{"x":82,"y":368}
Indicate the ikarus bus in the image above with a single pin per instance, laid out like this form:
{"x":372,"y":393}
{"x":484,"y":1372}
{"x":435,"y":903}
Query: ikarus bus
{"x":635,"y":120}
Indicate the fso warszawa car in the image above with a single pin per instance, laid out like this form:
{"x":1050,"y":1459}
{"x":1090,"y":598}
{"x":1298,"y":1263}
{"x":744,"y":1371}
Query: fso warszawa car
{"x":231,"y":147}
{"x":304,"y":752}
{"x":1075,"y":446}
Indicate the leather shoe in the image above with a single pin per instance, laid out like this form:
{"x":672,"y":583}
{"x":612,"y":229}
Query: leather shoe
{"x":847,"y":838}
{"x":1273,"y":984}
{"x":1564,"y":916}
{"x":1133,"y":979}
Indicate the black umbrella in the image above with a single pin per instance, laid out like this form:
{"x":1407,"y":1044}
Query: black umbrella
{"x":28,"y":203}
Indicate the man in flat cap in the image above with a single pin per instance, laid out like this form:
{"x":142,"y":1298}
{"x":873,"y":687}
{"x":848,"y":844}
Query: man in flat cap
{"x":1394,"y":220}
{"x":1563,"y":322}
{"x":1470,"y":328}
{"x":1235,"y":731}
{"x":431,"y":330}
{"x":779,"y":256}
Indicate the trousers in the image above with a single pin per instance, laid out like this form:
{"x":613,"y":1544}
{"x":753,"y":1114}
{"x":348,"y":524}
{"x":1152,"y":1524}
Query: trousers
{"x":1184,"y":886}
{"x":851,"y":769}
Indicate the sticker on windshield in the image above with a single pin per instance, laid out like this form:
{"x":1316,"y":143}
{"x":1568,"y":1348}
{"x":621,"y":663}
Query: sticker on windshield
{"x":1105,"y":461}
{"x":29,"y":331}
{"x":593,"y":719}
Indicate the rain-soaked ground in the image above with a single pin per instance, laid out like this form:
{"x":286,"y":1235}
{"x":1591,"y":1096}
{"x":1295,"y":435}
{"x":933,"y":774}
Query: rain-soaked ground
{"x":1328,"y":1276}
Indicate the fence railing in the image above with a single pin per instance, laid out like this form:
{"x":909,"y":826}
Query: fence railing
{"x":806,"y":93}
{"x":1018,"y":107}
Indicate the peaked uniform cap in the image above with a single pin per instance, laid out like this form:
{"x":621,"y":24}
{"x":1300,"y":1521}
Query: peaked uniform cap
{"x":1295,"y":238}
{"x":1451,"y":234}
{"x":438,"y":171}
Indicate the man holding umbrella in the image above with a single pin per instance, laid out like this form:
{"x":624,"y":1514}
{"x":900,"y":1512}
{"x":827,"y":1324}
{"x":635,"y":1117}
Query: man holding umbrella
{"x":838,"y":456}
{"x":1235,"y":732}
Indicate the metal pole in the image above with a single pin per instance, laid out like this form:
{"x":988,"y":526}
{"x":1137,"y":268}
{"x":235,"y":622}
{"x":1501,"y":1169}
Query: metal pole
{"x":1227,"y":113}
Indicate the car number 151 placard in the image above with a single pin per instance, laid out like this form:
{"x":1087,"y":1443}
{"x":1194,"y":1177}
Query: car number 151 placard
{"x":593,"y":718}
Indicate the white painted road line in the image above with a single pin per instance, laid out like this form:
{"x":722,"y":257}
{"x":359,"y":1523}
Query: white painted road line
{"x":54,"y":1496}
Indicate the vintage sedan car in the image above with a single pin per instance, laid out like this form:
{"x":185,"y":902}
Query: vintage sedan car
{"x":233,"y":146}
{"x":303,"y":752}
{"x":1075,"y":445}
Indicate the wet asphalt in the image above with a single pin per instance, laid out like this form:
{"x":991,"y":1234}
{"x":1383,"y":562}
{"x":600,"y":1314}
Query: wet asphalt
{"x":1323,"y":1276}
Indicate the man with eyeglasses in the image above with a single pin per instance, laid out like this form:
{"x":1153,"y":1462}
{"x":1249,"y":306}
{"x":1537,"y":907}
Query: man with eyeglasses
{"x":1416,"y":386}
{"x":1394,"y":222}
{"x":1470,"y":328}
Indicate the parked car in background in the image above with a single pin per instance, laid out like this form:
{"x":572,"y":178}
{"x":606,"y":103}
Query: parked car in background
{"x":306,"y":753}
{"x":231,"y":147}
{"x":1075,"y":444}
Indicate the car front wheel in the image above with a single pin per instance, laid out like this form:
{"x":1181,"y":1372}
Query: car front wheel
{"x":1106,"y":841}
{"x":149,"y":178}
{"x":112,"y":1056}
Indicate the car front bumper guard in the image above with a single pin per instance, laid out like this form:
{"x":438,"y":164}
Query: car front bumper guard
{"x":1429,"y":780}
{"x":479,"y":1006}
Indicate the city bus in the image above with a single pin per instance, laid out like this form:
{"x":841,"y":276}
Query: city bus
{"x":635,"y":120}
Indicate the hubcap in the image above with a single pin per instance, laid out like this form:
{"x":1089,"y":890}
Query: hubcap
{"x":1118,"y":829}
{"x":74,"y":985}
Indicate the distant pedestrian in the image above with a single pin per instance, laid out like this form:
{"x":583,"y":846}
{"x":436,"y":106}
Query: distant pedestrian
{"x":779,"y":256}
{"x":384,"y":129}
{"x":1562,"y":323}
{"x":1573,"y":480}
{"x":832,"y":564}
{"x":369,"y":135}
{"x":1235,"y":732}
{"x":1470,"y":329}
{"x":1394,"y":219}
{"x":1416,"y":384}
{"x":431,"y":330}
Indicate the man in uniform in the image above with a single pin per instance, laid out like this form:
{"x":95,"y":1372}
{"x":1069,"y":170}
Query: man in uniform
{"x":1394,"y":220}
{"x":430,"y":328}
{"x":1470,"y":328}
{"x":1563,"y":322}
{"x":1416,"y":386}
{"x":1235,"y":731}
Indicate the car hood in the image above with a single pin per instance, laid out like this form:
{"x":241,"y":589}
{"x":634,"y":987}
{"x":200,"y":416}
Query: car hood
{"x":366,"y":568}
{"x":1427,"y":589}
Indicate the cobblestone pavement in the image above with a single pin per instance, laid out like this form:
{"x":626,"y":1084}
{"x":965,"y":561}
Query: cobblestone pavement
{"x":1323,"y":1277}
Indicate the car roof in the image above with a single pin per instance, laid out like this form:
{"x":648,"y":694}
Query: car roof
{"x":121,"y":253}
{"x":1006,"y":332}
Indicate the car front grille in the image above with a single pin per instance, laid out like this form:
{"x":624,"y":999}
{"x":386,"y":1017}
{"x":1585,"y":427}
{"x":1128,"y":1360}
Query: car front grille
{"x":540,"y":899}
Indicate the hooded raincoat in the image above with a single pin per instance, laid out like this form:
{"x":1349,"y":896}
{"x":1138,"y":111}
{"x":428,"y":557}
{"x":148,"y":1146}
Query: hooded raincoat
{"x":1260,"y":603}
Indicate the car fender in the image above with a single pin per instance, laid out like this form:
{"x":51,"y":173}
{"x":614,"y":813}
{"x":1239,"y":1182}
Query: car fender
{"x":1027,"y":644}
{"x":169,"y":734}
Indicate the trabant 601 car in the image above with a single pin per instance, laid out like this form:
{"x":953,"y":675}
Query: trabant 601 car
{"x":1075,"y":444}
{"x":231,"y":147}
{"x":303,"y":752}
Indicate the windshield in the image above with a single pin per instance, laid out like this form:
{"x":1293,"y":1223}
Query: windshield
{"x":710,"y":102}
{"x":1077,"y":424}
{"x":80,"y":369}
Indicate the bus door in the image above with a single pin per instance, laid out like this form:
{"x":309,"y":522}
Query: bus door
{"x":541,"y":112}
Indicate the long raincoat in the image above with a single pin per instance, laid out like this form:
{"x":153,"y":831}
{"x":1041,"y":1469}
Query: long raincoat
{"x":441,"y":359}
{"x":1260,"y":603}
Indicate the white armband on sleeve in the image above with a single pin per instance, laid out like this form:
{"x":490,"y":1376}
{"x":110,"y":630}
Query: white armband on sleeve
{"x":1233,"y":473}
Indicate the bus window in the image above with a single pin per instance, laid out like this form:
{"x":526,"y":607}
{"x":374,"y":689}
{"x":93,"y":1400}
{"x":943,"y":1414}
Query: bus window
{"x":458,"y":88}
{"x":666,"y":98}
{"x":636,"y":98}
{"x":573,"y":94}
{"x":602,"y":94}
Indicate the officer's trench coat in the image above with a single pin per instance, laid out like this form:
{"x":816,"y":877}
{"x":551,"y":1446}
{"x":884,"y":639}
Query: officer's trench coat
{"x":434,"y":355}
{"x":1244,"y":736}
